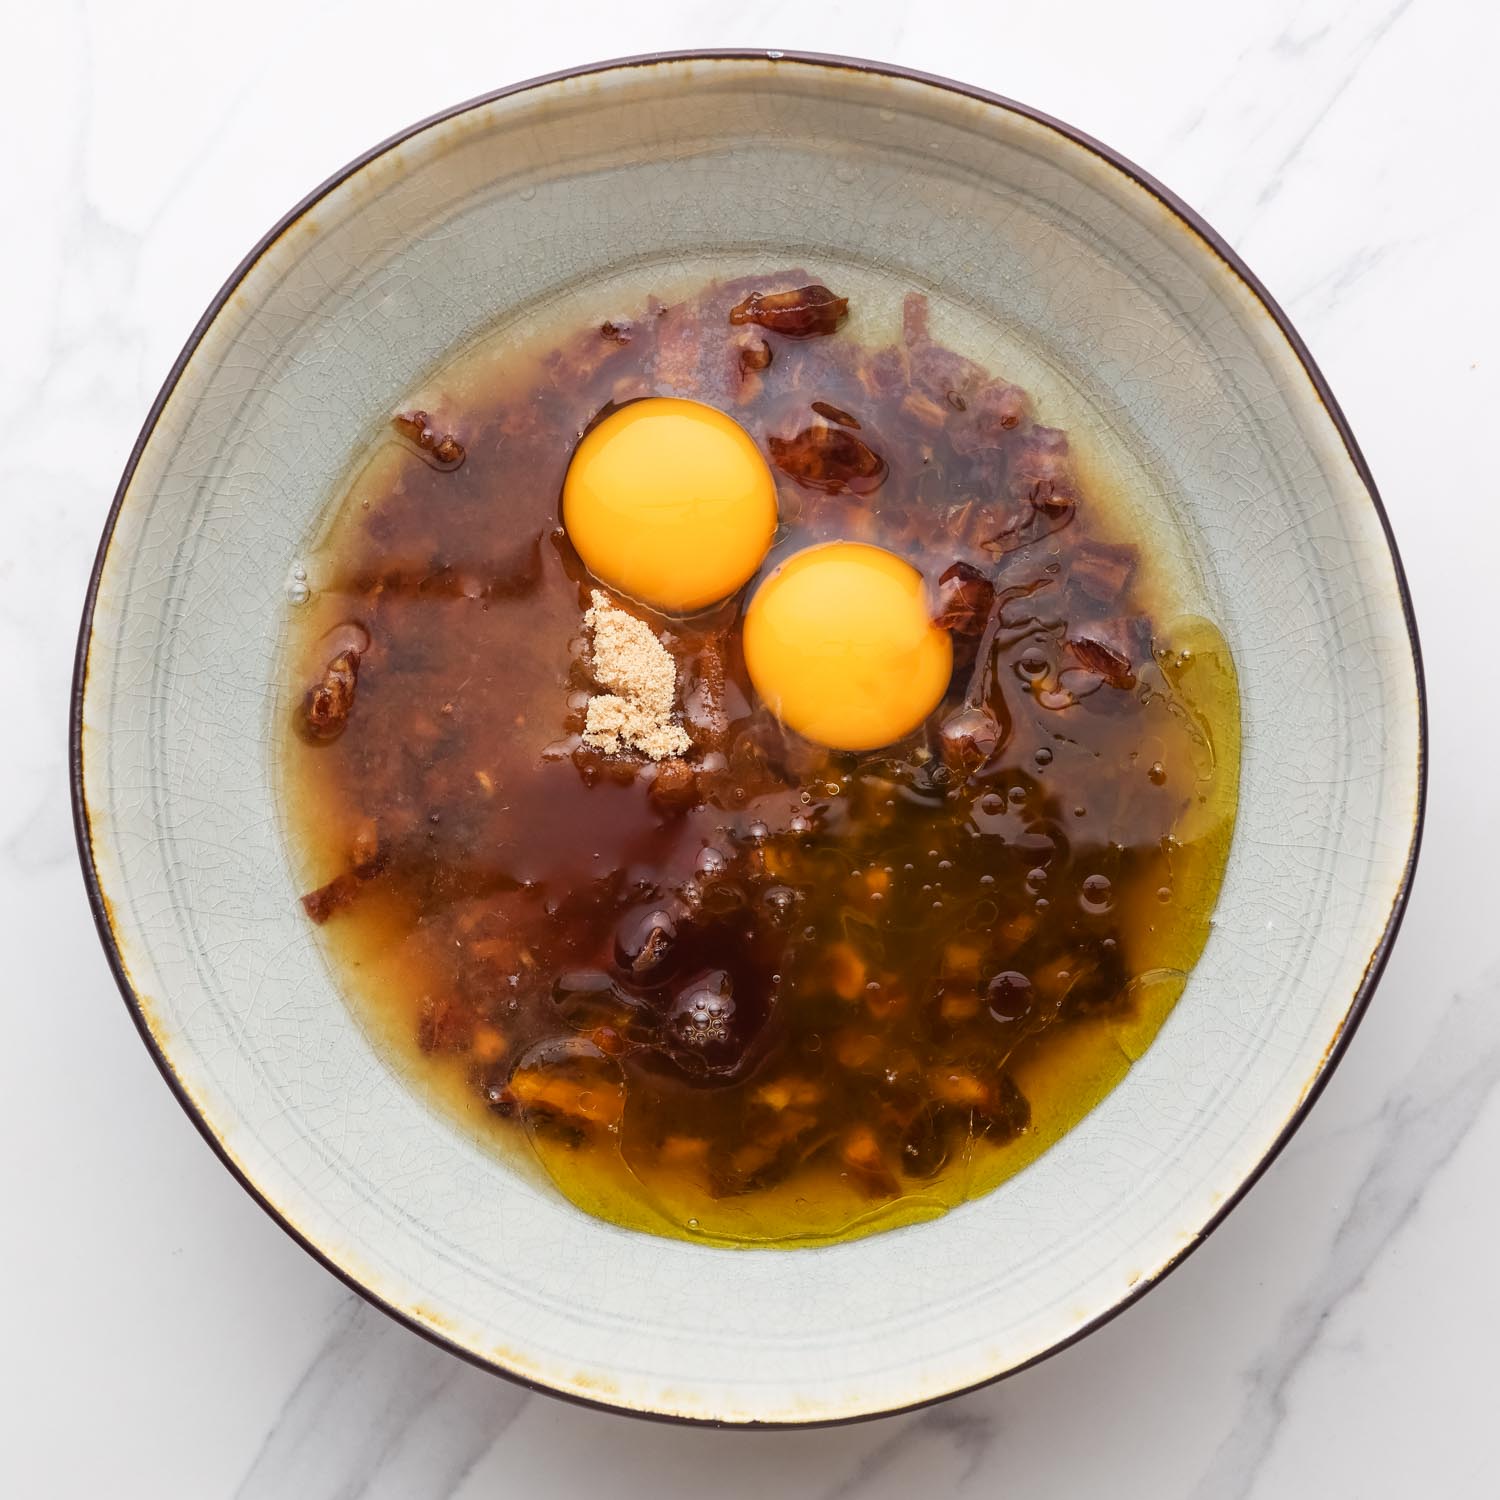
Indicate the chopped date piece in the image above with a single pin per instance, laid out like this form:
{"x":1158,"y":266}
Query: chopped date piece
{"x":335,"y":896}
{"x":979,"y":524}
{"x":1001,"y":403}
{"x":965,"y":596}
{"x":915,"y":321}
{"x":1103,"y":656}
{"x":326,"y":708}
{"x":1096,"y":982}
{"x":417,"y":426}
{"x":755,"y":354}
{"x":996,"y":414}
{"x":644,"y":942}
{"x":937,"y":373}
{"x":970,"y":737}
{"x":829,"y":458}
{"x":674,"y":787}
{"x":806,"y":312}
{"x":992,"y":1107}
{"x":1048,"y":512}
{"x":568,"y":1081}
{"x":1008,"y":1111}
{"x":883,"y":373}
{"x":844,"y":971}
{"x":623,"y":770}
{"x":835,"y":414}
{"x":1012,"y":608}
{"x":925,"y":412}
{"x":364,"y":850}
{"x":759,"y":1163}
{"x":1040,"y":470}
{"x":860,"y":1152}
{"x":445,"y":1025}
{"x":1102,"y":570}
{"x":590,"y":763}
{"x":957,"y":1003}
{"x":1073,"y":685}
{"x":617,"y":332}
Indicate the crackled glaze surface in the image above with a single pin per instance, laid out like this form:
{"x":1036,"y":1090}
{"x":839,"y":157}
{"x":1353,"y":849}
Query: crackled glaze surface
{"x":1025,"y":239}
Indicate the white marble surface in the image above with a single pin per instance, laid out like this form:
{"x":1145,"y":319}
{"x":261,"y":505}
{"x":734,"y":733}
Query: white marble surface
{"x":162,"y":1337}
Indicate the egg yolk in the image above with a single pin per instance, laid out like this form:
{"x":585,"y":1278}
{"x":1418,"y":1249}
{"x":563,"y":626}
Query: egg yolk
{"x":840,"y":643}
{"x":671,"y":503}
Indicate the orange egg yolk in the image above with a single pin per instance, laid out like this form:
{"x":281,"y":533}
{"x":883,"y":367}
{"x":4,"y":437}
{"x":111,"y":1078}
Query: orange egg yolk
{"x":670,"y":503}
{"x":840,"y":643}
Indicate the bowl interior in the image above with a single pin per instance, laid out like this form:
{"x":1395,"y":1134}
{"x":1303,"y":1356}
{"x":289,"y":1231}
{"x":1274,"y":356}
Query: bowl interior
{"x":1044,"y":259}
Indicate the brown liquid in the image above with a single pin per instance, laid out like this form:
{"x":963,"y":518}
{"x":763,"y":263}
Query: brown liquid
{"x":883,"y":982}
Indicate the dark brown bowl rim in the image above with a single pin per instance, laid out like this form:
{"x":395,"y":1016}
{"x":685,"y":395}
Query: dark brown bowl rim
{"x":1194,"y":222}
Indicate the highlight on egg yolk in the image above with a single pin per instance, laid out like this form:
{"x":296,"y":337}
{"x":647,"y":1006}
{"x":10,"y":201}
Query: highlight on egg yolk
{"x":840,"y":643}
{"x":671,"y":503}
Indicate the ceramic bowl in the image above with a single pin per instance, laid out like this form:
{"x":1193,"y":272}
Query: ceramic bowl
{"x":1026,"y":234}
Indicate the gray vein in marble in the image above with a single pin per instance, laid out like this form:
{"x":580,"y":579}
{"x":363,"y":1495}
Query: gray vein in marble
{"x":1376,"y":34}
{"x":43,"y":836}
{"x":380,"y":1415}
{"x":1418,"y":1128}
{"x":1328,"y":290}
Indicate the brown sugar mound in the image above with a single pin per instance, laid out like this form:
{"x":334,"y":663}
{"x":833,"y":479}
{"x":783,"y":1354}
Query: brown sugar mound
{"x":635,"y":713}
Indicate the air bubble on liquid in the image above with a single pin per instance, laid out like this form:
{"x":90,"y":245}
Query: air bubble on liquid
{"x":527,"y":194}
{"x":1097,"y":895}
{"x":297,"y":592}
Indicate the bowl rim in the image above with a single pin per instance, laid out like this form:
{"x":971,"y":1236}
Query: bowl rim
{"x":1190,"y":220}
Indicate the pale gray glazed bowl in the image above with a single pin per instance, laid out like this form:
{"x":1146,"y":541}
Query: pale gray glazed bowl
{"x":1037,"y":245}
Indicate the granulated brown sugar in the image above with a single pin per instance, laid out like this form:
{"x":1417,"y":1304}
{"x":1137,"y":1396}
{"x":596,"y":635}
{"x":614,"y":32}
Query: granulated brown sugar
{"x":638,"y":671}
